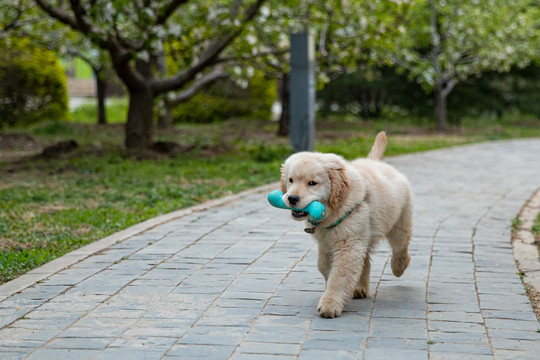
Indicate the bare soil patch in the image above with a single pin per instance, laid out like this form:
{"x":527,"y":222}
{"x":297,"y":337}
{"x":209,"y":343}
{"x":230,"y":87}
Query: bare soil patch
{"x":14,"y":147}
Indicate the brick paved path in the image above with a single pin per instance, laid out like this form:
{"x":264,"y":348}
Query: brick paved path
{"x":239,"y":280}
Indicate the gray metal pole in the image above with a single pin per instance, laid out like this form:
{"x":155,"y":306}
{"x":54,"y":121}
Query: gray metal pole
{"x":302,"y":92}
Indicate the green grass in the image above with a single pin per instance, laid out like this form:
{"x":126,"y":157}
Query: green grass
{"x":80,"y":69}
{"x":50,"y":207}
{"x":116,"y":112}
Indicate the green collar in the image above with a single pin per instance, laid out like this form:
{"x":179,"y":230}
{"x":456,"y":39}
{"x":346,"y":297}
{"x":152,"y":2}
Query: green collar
{"x":315,"y":223}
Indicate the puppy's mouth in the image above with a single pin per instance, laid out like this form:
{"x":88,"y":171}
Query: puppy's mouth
{"x":299,"y":214}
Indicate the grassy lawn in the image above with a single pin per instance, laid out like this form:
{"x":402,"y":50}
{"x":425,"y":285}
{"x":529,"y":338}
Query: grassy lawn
{"x":52,"y":206}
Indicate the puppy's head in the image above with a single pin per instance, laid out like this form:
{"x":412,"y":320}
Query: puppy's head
{"x":306,"y":177}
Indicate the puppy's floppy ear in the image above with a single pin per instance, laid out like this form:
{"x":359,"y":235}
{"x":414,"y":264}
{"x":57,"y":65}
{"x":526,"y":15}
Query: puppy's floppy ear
{"x":339,"y":184}
{"x":282,"y":184}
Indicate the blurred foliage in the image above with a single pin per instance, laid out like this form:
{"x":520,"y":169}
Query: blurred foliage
{"x":431,"y":42}
{"x":32,"y":83}
{"x":451,"y":41}
{"x":372,"y":92}
{"x":368,"y":92}
{"x":495,"y":93}
{"x":226,"y":99}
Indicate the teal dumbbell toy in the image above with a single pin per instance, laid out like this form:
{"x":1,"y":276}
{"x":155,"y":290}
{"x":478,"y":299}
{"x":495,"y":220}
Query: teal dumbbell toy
{"x":315,"y":210}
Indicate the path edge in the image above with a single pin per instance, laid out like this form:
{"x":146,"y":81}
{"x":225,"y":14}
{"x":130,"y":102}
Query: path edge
{"x":526,"y":252}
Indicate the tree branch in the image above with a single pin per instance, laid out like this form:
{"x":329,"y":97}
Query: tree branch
{"x":14,"y":23}
{"x":235,"y":8}
{"x":120,"y":56}
{"x":251,"y":57}
{"x":435,"y":37}
{"x":168,"y":10}
{"x":205,"y":80}
{"x":80,"y":13}
{"x":58,"y":14}
{"x":208,"y":57}
{"x":448,"y":86}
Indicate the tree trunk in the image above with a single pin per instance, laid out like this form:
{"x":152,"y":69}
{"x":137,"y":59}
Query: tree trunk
{"x":284,"y":97}
{"x":139,"y":125}
{"x":440,"y":107}
{"x":165,"y":116}
{"x":101,"y":93}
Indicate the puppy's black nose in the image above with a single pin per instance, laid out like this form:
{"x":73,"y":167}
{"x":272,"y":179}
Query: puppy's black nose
{"x":293,"y":199}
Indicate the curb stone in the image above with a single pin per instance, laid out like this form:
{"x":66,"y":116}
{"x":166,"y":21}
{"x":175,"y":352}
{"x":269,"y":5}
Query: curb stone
{"x":527,"y":250}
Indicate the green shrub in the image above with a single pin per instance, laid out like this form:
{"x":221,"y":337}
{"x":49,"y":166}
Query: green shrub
{"x":32,"y":84}
{"x":225,"y":100}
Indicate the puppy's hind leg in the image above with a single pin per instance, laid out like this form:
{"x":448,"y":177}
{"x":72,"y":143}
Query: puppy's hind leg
{"x":324,"y":261}
{"x":399,"y":238}
{"x":362,"y":287}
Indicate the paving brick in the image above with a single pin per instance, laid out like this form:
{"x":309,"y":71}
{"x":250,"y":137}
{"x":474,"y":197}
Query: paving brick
{"x":390,"y":353}
{"x":347,"y":322}
{"x":213,"y":335}
{"x":496,"y":334}
{"x":515,"y":344}
{"x":509,"y":314}
{"x":457,"y":316}
{"x":143,"y":342}
{"x":353,"y":346}
{"x":79,"y":343}
{"x":277,"y":333}
{"x":55,"y":354}
{"x":9,"y":343}
{"x":379,"y":312}
{"x":460,"y":348}
{"x":460,"y":356}
{"x":507,"y":324}
{"x":397,"y":343}
{"x":200,"y":351}
{"x":130,"y":353}
{"x":454,"y":326}
{"x":264,"y":348}
{"x":398,"y":328}
{"x":327,"y":355}
{"x":478,"y":338}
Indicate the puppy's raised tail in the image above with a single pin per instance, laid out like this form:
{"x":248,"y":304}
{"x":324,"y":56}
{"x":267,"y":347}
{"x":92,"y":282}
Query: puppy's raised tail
{"x":378,"y":148}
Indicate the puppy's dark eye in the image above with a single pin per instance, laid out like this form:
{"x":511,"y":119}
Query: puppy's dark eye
{"x":290,"y":180}
{"x":312,"y":183}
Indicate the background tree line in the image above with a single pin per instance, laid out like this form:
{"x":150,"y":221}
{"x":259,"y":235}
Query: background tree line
{"x":449,"y":57}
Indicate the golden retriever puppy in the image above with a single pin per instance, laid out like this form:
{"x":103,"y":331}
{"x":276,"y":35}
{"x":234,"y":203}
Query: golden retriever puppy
{"x":366,"y":200}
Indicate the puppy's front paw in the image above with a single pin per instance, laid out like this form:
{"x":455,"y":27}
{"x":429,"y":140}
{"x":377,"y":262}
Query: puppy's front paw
{"x":329,"y":307}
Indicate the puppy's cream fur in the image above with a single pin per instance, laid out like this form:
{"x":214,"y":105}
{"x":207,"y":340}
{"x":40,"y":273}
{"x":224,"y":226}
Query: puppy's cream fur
{"x":381,"y":199}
